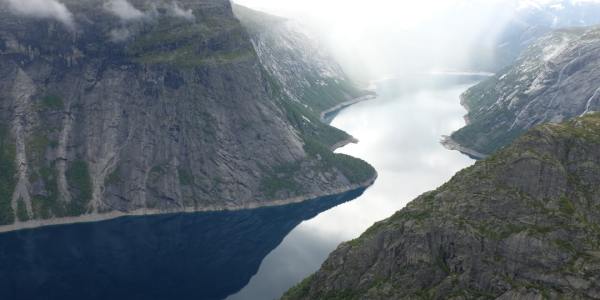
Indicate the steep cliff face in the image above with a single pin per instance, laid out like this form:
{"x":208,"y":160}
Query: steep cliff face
{"x":554,"y":79}
{"x":522,"y":224}
{"x":308,"y":73}
{"x":163,"y":106}
{"x":313,"y":85}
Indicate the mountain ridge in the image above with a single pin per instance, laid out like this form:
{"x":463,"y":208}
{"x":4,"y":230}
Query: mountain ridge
{"x":552,"y":81}
{"x":163,"y":112}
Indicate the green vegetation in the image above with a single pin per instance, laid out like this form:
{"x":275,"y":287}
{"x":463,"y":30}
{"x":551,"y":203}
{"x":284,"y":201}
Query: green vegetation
{"x":313,"y":128}
{"x":46,"y":206}
{"x":80,"y":180}
{"x":356,"y":170}
{"x":585,"y":129}
{"x":158,"y":170}
{"x":185,"y":177}
{"x":488,"y":133}
{"x":179,"y":43}
{"x":566,"y":206}
{"x":300,"y":290}
{"x":8,"y":170}
{"x":566,"y":246}
{"x":306,"y":120}
{"x":321,"y":96}
{"x":442,"y":265}
{"x":22,"y":213}
{"x":37,"y":144}
{"x":281,"y":179}
{"x":52,"y":102}
{"x":318,"y":138}
{"x":49,"y":205}
{"x":187,"y":57}
{"x":113,"y":178}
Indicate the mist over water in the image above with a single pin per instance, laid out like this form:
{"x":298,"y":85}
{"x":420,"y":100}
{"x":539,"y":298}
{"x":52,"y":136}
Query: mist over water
{"x":399,"y":135}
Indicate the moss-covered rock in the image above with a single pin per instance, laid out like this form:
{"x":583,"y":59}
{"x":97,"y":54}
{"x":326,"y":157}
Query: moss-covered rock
{"x":8,"y":172}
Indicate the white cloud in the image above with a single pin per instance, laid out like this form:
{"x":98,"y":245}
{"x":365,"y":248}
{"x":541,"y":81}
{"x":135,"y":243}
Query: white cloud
{"x":555,"y":4}
{"x":177,"y":11}
{"x":119,"y":34}
{"x":42,"y":9}
{"x":123,"y":9}
{"x":126,"y":11}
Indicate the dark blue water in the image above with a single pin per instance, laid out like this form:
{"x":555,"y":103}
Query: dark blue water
{"x":181,"y":256}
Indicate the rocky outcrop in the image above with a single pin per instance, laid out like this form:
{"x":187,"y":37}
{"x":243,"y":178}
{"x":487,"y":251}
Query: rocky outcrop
{"x":555,"y":79}
{"x":164,"y":109}
{"x":522,"y":224}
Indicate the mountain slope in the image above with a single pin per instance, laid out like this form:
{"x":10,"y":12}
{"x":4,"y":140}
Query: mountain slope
{"x":308,"y":73}
{"x":165,"y":109}
{"x":554,"y":79}
{"x":523,"y":224}
{"x":532,"y":21}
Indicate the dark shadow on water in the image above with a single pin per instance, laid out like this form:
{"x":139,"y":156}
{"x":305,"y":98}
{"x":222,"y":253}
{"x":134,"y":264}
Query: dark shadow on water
{"x":183,"y":256}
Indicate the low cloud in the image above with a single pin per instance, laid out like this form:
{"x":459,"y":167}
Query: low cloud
{"x":177,"y":11}
{"x":123,"y":10}
{"x":126,"y":11}
{"x":51,"y":9}
{"x":119,"y":35}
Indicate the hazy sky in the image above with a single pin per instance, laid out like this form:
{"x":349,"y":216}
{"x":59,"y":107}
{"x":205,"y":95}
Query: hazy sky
{"x":387,"y":12}
{"x":385,"y":36}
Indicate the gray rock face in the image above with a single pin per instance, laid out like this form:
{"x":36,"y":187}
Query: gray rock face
{"x":307,"y":71}
{"x":555,"y":79}
{"x":168,"y":111}
{"x":522,"y":224}
{"x":308,"y":78}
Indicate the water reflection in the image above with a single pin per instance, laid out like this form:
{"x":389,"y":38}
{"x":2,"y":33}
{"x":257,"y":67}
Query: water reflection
{"x":399,"y":134}
{"x":193,"y":256}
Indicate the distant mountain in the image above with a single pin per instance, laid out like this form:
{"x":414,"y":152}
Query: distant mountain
{"x":522,"y":224}
{"x":531,"y":22}
{"x":111,"y":108}
{"x":308,"y":72}
{"x":556,"y":78}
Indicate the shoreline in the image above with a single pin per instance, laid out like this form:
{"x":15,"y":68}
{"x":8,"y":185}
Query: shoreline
{"x":144,"y":212}
{"x":343,"y":143}
{"x":99,"y":217}
{"x":449,"y":143}
{"x":338,"y":108}
{"x":463,"y":103}
{"x":453,"y":145}
{"x":343,"y":105}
